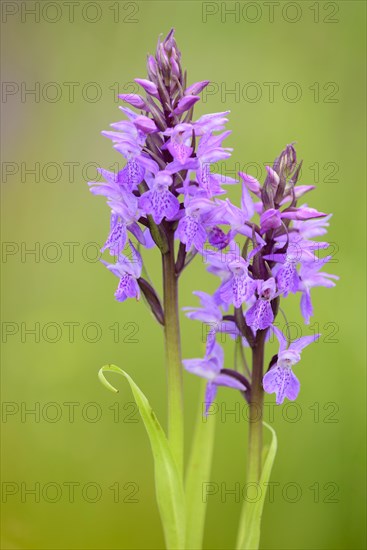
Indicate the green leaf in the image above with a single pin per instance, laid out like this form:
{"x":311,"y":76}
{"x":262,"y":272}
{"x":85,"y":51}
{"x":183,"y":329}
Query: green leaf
{"x":250,"y":522}
{"x":169,"y":488}
{"x":198,"y":473}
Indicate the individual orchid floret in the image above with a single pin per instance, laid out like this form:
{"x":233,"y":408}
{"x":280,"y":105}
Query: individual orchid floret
{"x":218,"y":260}
{"x":211,"y":368}
{"x":192,"y":227}
{"x":301,"y":251}
{"x":211,"y":315}
{"x":210,"y":151}
{"x":286,"y":274}
{"x":210,"y":147}
{"x":299,"y":247}
{"x":227,"y":213}
{"x":287,"y":278}
{"x":239,"y":287}
{"x":132,"y":175}
{"x":310,"y":277}
{"x":128,"y":270}
{"x":312,"y":228}
{"x":280,"y":379}
{"x":159,"y":201}
{"x":260,"y":316}
{"x":179,"y":143}
{"x":209,"y":312}
{"x":213,"y":122}
{"x":124,"y":213}
{"x":110,"y":188}
{"x":117,"y":238}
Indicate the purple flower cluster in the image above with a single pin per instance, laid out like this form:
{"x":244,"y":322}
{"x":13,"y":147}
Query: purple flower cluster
{"x":167,"y":190}
{"x":167,"y":184}
{"x":279,"y":256}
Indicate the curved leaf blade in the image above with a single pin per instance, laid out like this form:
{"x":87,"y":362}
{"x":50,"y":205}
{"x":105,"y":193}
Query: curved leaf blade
{"x":169,"y":488}
{"x":250,"y":522}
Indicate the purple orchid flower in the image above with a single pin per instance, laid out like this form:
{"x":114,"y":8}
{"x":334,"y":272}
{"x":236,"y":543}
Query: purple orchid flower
{"x":192,"y":227}
{"x":128,"y":270}
{"x":280,"y":379}
{"x":315,"y":227}
{"x":132,"y":175}
{"x":260,"y":316}
{"x":227,"y":213}
{"x":239,"y":287}
{"x":309,"y":278}
{"x":214,"y":122}
{"x":211,"y":315}
{"x":117,"y":237}
{"x":209,"y":151}
{"x":179,"y":142}
{"x":159,"y":201}
{"x":211,"y":368}
{"x":124,"y":215}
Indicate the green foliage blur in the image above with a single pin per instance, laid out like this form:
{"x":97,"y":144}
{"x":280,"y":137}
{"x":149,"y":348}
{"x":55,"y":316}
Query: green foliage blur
{"x":288,"y":72}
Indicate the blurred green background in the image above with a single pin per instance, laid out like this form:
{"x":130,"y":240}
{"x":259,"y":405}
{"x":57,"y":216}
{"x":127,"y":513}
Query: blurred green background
{"x":84,"y":437}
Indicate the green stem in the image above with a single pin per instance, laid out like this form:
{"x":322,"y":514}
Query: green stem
{"x":173,"y":355}
{"x":255,"y":441}
{"x":256,"y":410}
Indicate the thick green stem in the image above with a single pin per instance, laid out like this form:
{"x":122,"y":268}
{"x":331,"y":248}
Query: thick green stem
{"x":173,"y":355}
{"x":255,"y":443}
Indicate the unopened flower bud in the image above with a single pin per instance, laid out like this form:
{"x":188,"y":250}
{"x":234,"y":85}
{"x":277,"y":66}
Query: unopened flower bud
{"x":186,"y":103}
{"x":286,"y":163}
{"x":196,"y":88}
{"x":148,"y":86}
{"x":270,"y":219}
{"x":135,"y":100}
